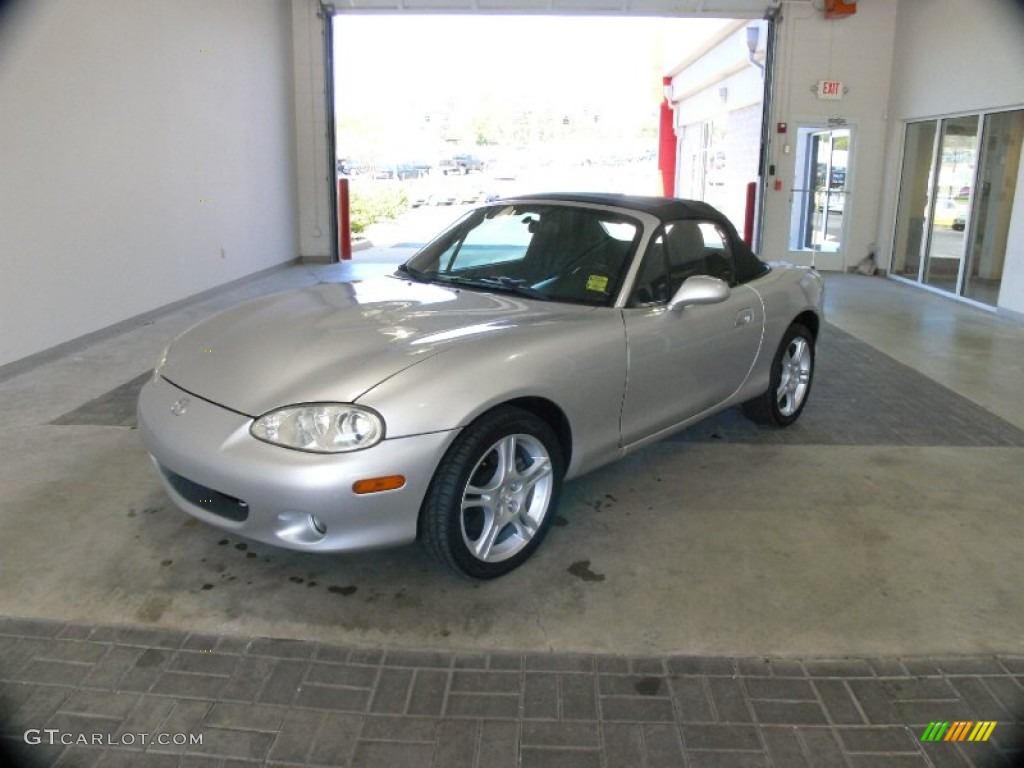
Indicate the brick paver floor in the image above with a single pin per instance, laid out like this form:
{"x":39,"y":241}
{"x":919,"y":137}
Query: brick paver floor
{"x":128,"y":696}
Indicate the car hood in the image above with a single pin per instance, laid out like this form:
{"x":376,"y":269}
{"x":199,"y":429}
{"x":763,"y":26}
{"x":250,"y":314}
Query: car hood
{"x":333,"y":342}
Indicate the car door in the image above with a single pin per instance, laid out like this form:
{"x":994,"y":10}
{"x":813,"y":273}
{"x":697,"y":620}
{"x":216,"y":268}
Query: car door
{"x":683,"y":362}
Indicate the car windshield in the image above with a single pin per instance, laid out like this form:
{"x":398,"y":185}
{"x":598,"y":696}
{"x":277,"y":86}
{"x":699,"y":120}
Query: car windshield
{"x":539,"y":250}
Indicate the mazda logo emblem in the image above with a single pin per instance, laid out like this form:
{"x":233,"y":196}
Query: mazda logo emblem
{"x":180,"y":406}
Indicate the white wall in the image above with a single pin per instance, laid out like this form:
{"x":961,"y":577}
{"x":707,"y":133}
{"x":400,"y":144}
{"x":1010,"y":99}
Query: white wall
{"x":741,"y":147}
{"x":315,"y":167}
{"x":953,"y":57}
{"x":148,"y":154}
{"x":857,"y":50}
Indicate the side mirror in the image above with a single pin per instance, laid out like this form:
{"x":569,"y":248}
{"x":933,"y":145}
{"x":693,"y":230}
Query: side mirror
{"x":699,"y":289}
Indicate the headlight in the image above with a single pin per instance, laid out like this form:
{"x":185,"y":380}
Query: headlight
{"x":320,"y":427}
{"x":158,"y":369}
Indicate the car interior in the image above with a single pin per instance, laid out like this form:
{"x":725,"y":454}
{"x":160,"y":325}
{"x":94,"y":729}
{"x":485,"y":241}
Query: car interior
{"x":679,"y":252}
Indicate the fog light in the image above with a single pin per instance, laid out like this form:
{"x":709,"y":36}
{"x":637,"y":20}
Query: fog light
{"x":301,"y":528}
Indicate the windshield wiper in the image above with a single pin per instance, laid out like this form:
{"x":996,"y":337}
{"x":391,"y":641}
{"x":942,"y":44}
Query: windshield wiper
{"x":514,"y":285}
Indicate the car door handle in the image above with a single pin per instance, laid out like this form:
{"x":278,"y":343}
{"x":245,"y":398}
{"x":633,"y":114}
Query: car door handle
{"x":744,"y":317}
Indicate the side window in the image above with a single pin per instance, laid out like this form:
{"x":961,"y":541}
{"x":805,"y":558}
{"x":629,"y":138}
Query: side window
{"x":651,"y":286}
{"x":697,"y":248}
{"x":685,"y":248}
{"x":717,"y":253}
{"x":680,"y":250}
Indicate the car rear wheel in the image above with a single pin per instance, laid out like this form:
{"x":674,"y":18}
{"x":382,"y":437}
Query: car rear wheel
{"x":492,"y":498}
{"x":790,"y":383}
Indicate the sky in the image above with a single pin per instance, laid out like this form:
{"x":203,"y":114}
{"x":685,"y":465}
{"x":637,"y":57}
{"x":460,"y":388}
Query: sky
{"x":401,"y":67}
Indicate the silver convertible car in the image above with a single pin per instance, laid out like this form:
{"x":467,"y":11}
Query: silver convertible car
{"x":534,"y":340}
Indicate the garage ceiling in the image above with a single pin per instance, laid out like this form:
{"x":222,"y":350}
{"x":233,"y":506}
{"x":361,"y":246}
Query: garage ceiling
{"x":730,"y":9}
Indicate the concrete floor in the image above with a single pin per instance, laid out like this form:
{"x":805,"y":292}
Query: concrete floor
{"x":696,"y":547}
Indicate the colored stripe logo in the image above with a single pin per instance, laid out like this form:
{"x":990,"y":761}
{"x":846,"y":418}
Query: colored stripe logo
{"x":959,"y":730}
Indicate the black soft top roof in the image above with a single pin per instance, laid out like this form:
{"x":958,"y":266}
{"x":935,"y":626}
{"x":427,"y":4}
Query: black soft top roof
{"x":748,"y":265}
{"x":665,"y":208}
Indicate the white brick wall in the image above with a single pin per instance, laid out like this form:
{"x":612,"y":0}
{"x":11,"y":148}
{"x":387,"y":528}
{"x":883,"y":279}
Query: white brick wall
{"x":726,"y":188}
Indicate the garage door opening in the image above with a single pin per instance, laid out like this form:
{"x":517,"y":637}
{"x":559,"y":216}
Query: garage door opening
{"x":434,"y":113}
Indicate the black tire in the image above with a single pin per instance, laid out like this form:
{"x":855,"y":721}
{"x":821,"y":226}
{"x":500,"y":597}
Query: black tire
{"x":458,"y":517}
{"x":790,"y":383}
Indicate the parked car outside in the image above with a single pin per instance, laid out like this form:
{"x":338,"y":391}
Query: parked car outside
{"x":534,"y":340}
{"x":403,"y":170}
{"x":834,"y":198}
{"x":415,"y":169}
{"x":462,"y":163}
{"x":347,"y":166}
{"x":946,"y":212}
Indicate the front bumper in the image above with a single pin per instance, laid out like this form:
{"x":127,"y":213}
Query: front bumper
{"x":216,"y":471}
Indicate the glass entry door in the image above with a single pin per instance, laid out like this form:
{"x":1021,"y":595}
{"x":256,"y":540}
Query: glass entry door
{"x":820,"y":189}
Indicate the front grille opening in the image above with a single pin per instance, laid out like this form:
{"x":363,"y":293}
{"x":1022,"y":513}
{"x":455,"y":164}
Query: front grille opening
{"x":206,"y":498}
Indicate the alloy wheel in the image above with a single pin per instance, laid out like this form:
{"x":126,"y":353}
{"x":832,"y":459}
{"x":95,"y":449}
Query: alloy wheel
{"x":507,"y":497}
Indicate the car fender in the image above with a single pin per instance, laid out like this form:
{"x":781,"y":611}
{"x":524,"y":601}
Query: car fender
{"x":787,"y":292}
{"x":578,"y":366}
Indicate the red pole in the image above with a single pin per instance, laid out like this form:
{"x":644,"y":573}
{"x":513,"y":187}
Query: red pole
{"x":344,"y":221}
{"x":667,"y":145}
{"x":748,"y":217}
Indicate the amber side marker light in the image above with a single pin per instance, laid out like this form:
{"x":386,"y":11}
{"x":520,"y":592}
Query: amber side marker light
{"x":378,"y":484}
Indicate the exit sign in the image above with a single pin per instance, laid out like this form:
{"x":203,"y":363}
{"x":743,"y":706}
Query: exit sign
{"x":831,"y":90}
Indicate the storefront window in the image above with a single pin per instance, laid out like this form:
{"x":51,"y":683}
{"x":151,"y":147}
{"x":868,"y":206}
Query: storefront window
{"x":918,"y":151}
{"x":989,"y":226}
{"x":956,"y":194}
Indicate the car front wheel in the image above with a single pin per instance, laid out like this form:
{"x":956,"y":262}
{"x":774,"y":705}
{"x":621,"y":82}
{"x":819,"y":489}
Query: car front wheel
{"x":790,"y":384}
{"x":492,"y":498}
